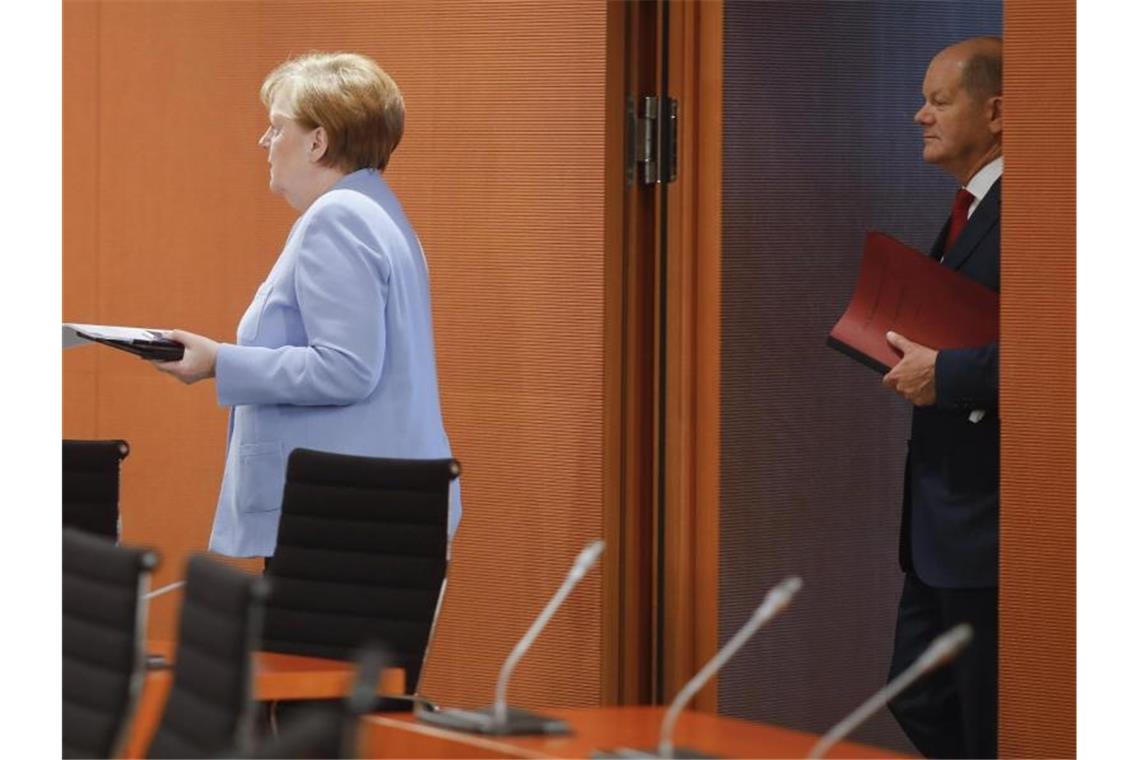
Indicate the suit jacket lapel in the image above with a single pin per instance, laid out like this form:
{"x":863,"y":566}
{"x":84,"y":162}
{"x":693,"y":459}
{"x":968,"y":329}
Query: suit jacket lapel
{"x":982,"y":220}
{"x":936,"y":250}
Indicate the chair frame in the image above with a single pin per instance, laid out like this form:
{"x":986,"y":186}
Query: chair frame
{"x":138,"y":674}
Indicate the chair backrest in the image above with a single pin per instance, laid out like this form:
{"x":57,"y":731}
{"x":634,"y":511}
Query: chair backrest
{"x":91,"y":485}
{"x":210,"y":707}
{"x":104,"y":627}
{"x":361,"y":556}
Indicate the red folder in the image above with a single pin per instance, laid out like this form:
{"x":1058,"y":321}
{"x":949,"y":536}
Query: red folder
{"x":904,"y":290}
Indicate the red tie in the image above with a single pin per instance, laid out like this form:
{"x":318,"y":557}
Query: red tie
{"x":962,"y":203}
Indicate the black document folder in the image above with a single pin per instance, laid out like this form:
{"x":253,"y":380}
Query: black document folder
{"x":149,"y":344}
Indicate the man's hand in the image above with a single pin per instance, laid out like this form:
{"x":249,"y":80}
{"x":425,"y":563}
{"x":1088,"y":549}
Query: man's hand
{"x":197,"y":362}
{"x":913,"y":377}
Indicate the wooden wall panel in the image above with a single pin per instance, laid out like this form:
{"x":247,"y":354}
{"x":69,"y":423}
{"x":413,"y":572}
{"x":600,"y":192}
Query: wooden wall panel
{"x":693,"y":335}
{"x":1037,"y":677}
{"x":80,"y":206}
{"x":501,"y":172}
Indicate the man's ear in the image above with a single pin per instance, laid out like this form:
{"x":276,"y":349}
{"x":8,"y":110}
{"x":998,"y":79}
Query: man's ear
{"x":318,"y":144}
{"x":994,"y":108}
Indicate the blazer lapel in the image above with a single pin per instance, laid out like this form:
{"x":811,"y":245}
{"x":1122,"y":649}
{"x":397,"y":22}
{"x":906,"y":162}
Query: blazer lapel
{"x":982,"y":220}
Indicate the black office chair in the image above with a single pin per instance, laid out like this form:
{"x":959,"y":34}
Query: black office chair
{"x":104,"y":628}
{"x":210,"y":706}
{"x":91,"y":485}
{"x":361,"y":556}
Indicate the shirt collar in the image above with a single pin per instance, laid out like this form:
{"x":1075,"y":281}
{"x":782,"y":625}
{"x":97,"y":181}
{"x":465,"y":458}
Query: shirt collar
{"x":985,"y":178}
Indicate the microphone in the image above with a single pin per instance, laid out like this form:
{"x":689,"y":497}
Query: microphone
{"x":777,"y":599}
{"x":499,"y":718}
{"x":165,"y":589}
{"x":940,"y":652}
{"x":157,"y":661}
{"x":586,"y":559}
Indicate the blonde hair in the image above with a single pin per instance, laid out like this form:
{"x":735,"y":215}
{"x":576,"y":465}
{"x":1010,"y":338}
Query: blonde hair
{"x":357,"y":103}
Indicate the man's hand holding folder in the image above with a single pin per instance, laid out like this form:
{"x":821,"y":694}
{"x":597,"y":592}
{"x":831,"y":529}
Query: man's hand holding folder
{"x":913,"y":377}
{"x":926,"y":305}
{"x":905,"y":309}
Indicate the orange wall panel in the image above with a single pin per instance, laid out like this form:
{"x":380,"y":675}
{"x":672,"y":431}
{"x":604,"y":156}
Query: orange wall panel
{"x":1037,"y":613}
{"x":80,"y":207}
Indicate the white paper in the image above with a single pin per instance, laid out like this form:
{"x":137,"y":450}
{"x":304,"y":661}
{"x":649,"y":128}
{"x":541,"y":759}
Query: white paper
{"x":72,"y":338}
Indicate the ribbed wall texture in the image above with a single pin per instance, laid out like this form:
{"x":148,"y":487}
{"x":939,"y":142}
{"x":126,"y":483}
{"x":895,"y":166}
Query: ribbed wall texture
{"x":1037,"y":677}
{"x":168,"y":222}
{"x":819,"y":147}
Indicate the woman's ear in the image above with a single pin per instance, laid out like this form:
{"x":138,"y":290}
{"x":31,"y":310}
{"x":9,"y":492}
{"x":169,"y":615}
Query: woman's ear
{"x":318,"y":144}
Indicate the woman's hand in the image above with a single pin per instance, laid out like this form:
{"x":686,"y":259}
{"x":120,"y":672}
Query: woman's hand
{"x":198,"y":359}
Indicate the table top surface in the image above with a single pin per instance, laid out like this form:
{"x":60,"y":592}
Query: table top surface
{"x":290,"y":676}
{"x":605,"y":728}
{"x":276,"y":676}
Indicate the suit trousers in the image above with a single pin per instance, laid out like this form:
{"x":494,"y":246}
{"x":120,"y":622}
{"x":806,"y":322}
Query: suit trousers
{"x":952,"y":712}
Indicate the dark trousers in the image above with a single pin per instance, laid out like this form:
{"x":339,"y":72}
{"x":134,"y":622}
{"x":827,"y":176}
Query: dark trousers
{"x":953,"y":711}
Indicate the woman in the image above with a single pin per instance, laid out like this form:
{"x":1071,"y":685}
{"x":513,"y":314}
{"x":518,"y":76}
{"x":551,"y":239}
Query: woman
{"x":335,"y":353}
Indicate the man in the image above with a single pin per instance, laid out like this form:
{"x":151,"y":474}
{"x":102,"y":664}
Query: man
{"x":949,"y":542}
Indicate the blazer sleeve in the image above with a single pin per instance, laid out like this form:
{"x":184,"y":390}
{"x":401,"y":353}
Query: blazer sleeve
{"x":967,"y":378}
{"x":341,"y":288}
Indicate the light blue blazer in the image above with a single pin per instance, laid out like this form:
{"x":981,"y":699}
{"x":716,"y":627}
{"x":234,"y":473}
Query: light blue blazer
{"x":335,"y":353}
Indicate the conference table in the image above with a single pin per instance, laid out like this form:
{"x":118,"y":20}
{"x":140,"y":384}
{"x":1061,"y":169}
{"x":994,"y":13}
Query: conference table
{"x":600,"y":728}
{"x":276,"y":677}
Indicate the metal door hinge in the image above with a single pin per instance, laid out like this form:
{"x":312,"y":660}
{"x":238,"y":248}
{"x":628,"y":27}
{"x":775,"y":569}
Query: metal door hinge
{"x":651,"y":140}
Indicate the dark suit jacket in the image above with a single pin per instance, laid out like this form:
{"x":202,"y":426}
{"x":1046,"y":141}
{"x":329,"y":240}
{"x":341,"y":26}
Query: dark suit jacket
{"x":950,"y":504}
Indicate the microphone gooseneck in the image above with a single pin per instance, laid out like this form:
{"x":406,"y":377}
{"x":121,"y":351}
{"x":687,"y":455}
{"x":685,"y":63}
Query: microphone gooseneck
{"x":941,"y":651}
{"x":165,"y":589}
{"x":586,"y":559}
{"x":779,"y":597}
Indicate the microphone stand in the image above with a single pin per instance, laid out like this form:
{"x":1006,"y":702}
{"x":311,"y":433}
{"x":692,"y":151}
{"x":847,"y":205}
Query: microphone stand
{"x":158,"y":661}
{"x":776,"y":600}
{"x":941,"y":651}
{"x":586,"y":559}
{"x":499,"y":718}
{"x":166,"y":589}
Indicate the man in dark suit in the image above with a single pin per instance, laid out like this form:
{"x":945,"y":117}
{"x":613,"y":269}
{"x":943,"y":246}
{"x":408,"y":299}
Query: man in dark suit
{"x":949,"y":542}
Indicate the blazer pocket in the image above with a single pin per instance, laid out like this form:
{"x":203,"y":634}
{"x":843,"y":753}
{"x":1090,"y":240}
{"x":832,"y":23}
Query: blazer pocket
{"x":261,"y":477}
